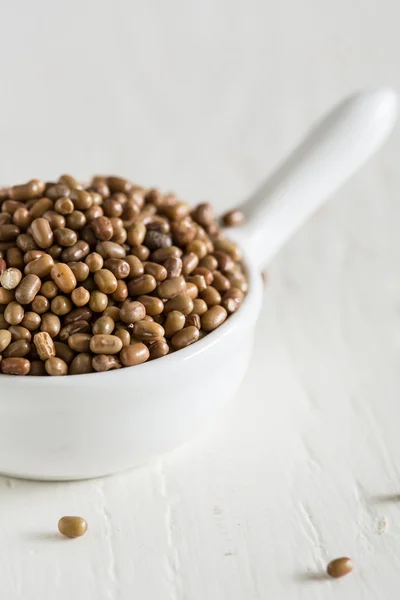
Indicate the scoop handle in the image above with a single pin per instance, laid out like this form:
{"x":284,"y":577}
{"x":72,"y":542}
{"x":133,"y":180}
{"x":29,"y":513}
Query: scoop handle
{"x":329,"y":155}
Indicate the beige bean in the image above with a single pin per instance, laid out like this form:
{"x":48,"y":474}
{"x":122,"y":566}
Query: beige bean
{"x":81,"y":364}
{"x":132,"y":311}
{"x":105,"y":281}
{"x":40,"y":266}
{"x":98,"y":301}
{"x":185,"y":337}
{"x":191,"y":290}
{"x":105,"y":362}
{"x":105,"y":344}
{"x":10,"y":278}
{"x":80,"y":342}
{"x":171,"y":287}
{"x":213,"y":318}
{"x":135,"y":354}
{"x":14,"y":313}
{"x":31,"y":321}
{"x":18,"y":349}
{"x":42,"y":233}
{"x":182,"y":303}
{"x":239,"y":281}
{"x":94,"y":261}
{"x":44,"y":345}
{"x":147,"y":331}
{"x":142,"y":285}
{"x":63,"y":277}
{"x":56,"y":366}
{"x":5,"y":339}
{"x":232,"y":299}
{"x":15,"y":366}
{"x":51,"y":324}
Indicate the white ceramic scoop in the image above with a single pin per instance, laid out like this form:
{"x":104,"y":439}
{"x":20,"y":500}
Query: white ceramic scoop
{"x":84,"y":426}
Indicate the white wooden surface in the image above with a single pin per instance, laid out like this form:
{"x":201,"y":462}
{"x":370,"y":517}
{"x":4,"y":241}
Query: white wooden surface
{"x":304,"y":465}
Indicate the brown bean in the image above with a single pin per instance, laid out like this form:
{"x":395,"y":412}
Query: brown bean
{"x":121,"y":293}
{"x":31,"y":321}
{"x":76,"y":220}
{"x":142,"y":285}
{"x":70,"y":182}
{"x":171,"y":287}
{"x":158,"y":349}
{"x":63,"y":277}
{"x":135,"y":354}
{"x":183,"y":231}
{"x":232,"y":299}
{"x":81,"y":198}
{"x":80,"y":296}
{"x":177,"y":211}
{"x":105,"y":281}
{"x":154,"y":306}
{"x":40,"y":207}
{"x":22,"y":218}
{"x":124,"y":336}
{"x":340,"y":567}
{"x":199,"y":247}
{"x":206,"y":273}
{"x":58,"y":190}
{"x":3,"y":265}
{"x":76,"y":252}
{"x":81,"y":364}
{"x":75,"y":327}
{"x":105,"y":362}
{"x":142,"y":252}
{"x":118,"y":266}
{"x":18,"y":349}
{"x":40,"y":305}
{"x":225,"y":262}
{"x":14,"y":313}
{"x":211,"y":296}
{"x":156,"y":239}
{"x":49,"y":290}
{"x":110,"y":250}
{"x":79,"y":314}
{"x":229,"y":248}
{"x":132,"y":311}
{"x":162,"y":254}
{"x":44,"y":345}
{"x":26,"y":242}
{"x":8,"y":233}
{"x":102,"y":228}
{"x":19,"y":332}
{"x":55,"y":220}
{"x":105,"y":344}
{"x":94,"y":261}
{"x":203,"y":214}
{"x":3,"y":322}
{"x":55,"y":251}
{"x":80,"y":342}
{"x":194,"y":320}
{"x":157,"y":271}
{"x":10,"y":278}
{"x":136,"y":234}
{"x":6,"y":296}
{"x":118,"y":184}
{"x":221,"y":283}
{"x":64,"y":206}
{"x":199,"y":307}
{"x":233,"y":218}
{"x":37,"y":368}
{"x":65,"y":237}
{"x":239,"y":281}
{"x":182,"y":303}
{"x":199,"y":281}
{"x":173,"y":267}
{"x":56,"y":366}
{"x":50,"y":324}
{"x":15,"y":258}
{"x":147,"y":331}
{"x":80,"y":270}
{"x":10,"y":206}
{"x":185,"y":337}
{"x":42,"y":233}
{"x":213,"y":318}
{"x":26,"y":191}
{"x":64,"y":351}
{"x":135,"y":266}
{"x":98,"y":301}
{"x":15,"y":366}
{"x":191,"y":290}
{"x":5,"y":339}
{"x":113,"y":312}
{"x":189,"y":263}
{"x":104,"y":325}
{"x":40,"y":267}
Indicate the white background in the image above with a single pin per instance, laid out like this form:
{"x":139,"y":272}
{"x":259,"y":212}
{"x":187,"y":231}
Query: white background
{"x":204,"y":97}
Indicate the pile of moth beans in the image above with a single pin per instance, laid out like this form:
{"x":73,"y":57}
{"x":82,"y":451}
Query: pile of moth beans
{"x":109,"y":274}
